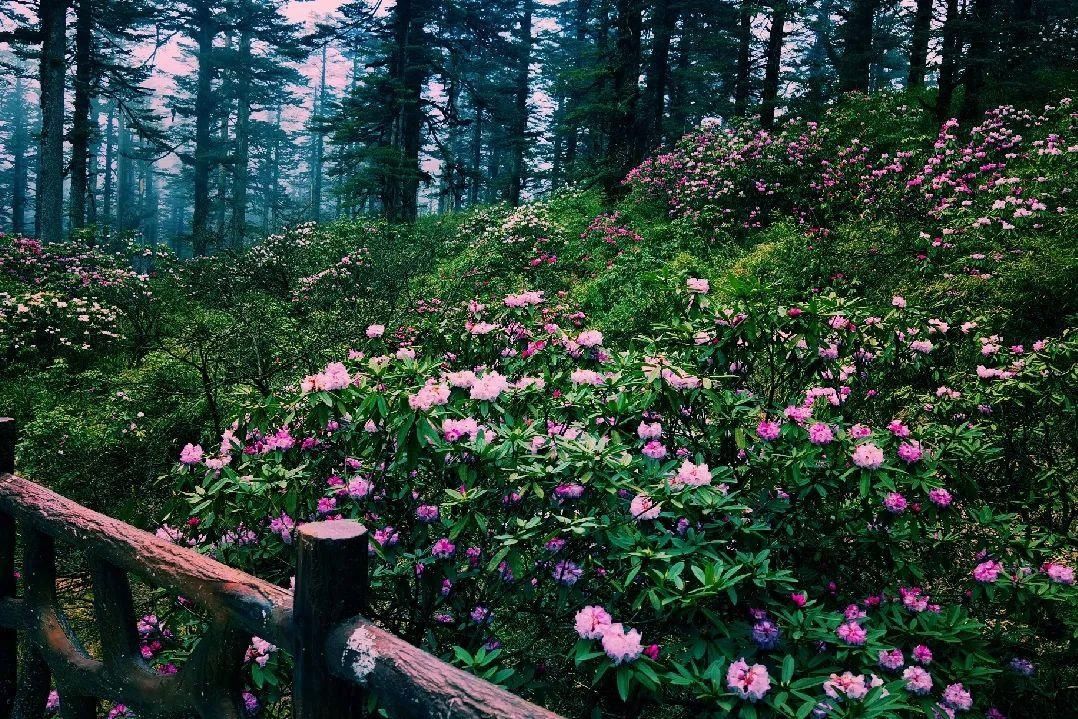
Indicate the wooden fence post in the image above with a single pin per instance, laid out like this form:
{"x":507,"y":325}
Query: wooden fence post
{"x":331,"y":586}
{"x":8,"y":637}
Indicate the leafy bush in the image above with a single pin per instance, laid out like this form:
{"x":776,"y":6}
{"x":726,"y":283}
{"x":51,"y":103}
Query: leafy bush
{"x":766,"y":508}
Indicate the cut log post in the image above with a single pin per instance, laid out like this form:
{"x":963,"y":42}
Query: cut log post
{"x":331,"y":587}
{"x":9,"y":641}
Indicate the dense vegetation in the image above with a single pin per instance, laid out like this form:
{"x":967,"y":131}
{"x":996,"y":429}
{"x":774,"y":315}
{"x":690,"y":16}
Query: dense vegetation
{"x":786,"y":430}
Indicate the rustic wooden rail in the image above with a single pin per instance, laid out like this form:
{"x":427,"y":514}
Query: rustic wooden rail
{"x":339,"y":655}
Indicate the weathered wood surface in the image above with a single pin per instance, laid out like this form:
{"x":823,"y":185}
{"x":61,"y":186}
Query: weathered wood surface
{"x":259,"y":607}
{"x":339,"y":653}
{"x":411,"y":683}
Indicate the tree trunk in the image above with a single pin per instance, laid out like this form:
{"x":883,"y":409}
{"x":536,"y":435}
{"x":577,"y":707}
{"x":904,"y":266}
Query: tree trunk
{"x":623,"y":140}
{"x":204,"y":102}
{"x":477,"y":158}
{"x":106,"y":193}
{"x":922,"y":33}
{"x":857,"y":46}
{"x":572,"y":130}
{"x":92,"y":168}
{"x":317,"y":143}
{"x":772,"y":65}
{"x":664,"y":20}
{"x":978,"y":61}
{"x":952,"y":46}
{"x":125,"y":179}
{"x":80,"y":123}
{"x":242,"y":159}
{"x":519,"y":132}
{"x":19,"y":166}
{"x":742,"y":85}
{"x":50,"y":179}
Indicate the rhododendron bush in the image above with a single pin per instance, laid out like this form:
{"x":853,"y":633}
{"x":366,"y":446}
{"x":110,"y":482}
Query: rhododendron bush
{"x":766,"y":507}
{"x":786,"y":430}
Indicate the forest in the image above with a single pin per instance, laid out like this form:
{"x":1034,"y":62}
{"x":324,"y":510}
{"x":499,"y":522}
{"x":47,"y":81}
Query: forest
{"x":681,"y":358}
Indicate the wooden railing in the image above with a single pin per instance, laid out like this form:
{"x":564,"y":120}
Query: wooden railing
{"x":339,"y":656}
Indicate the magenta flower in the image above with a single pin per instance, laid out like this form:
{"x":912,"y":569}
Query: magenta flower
{"x":852,"y":633}
{"x":895,"y":503}
{"x":987,"y":572}
{"x":820,"y":433}
{"x":768,"y":430}
{"x":918,"y":681}
{"x":443,"y":548}
{"x":940,"y":497}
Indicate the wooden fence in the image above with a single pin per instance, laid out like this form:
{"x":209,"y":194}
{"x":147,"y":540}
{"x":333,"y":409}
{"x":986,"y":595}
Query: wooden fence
{"x":339,"y":656}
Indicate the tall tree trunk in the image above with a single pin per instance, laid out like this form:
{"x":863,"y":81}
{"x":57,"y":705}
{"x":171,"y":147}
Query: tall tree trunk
{"x":106,"y":194}
{"x":856,"y":57}
{"x":200,"y":220}
{"x":125,"y":179}
{"x":317,"y":143}
{"x":679,"y":87}
{"x":50,"y":179}
{"x":80,"y":123}
{"x":558,"y":142}
{"x":519,"y":139}
{"x":476,"y":180}
{"x":623,"y":139}
{"x":922,"y":33}
{"x":664,"y":20}
{"x":243,"y":152}
{"x":92,"y":168}
{"x":978,"y":60}
{"x":743,"y":82}
{"x":572,"y":130}
{"x":19,"y":166}
{"x":772,"y":64}
{"x":952,"y":47}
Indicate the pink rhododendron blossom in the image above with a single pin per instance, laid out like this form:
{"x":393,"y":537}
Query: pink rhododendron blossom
{"x":940,"y":497}
{"x":1059,"y":573}
{"x":696,"y":284}
{"x":892,"y":659}
{"x":910,"y":452}
{"x":524,"y":299}
{"x":852,"y":633}
{"x":620,"y":644}
{"x":455,"y":429}
{"x":988,"y":571}
{"x":849,"y":685}
{"x":191,"y":454}
{"x":748,"y":682}
{"x":489,"y":387}
{"x":591,"y":338}
{"x":768,"y":431}
{"x":644,"y":508}
{"x":429,"y":396}
{"x":591,"y":622}
{"x":918,"y":681}
{"x":586,"y":377}
{"x":654,"y":449}
{"x":956,"y":697}
{"x":895,"y":503}
{"x":652,"y":430}
{"x":692,"y":475}
{"x":820,"y":433}
{"x":868,"y":456}
{"x":374,"y":331}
